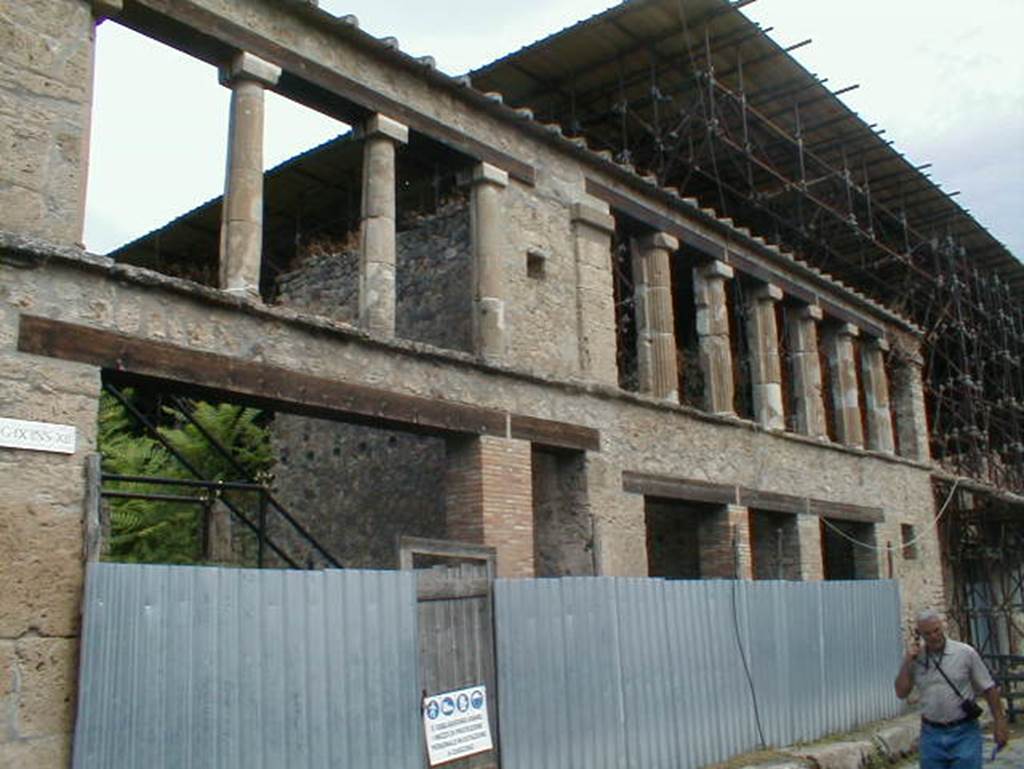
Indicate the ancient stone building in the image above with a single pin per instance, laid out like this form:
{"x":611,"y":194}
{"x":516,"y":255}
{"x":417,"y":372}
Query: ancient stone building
{"x":480,"y":327}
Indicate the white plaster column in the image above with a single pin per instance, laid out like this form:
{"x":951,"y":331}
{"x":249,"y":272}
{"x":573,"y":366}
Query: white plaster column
{"x":489,"y":332}
{"x":713,"y":331}
{"x":380,"y":136}
{"x":876,"y":395}
{"x":805,"y":370}
{"x":765,"y":365}
{"x":241,"y":231}
{"x":656,"y":338}
{"x":845,"y":393}
{"x":911,"y":420}
{"x":595,"y":293}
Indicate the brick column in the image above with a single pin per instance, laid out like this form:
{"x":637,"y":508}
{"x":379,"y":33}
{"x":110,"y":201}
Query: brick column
{"x":876,"y":395}
{"x":765,"y":366}
{"x":909,"y":408}
{"x":489,"y":499}
{"x":377,"y":229}
{"x":241,"y":229}
{"x":812,"y":565}
{"x":713,"y":330}
{"x":595,"y":294}
{"x":845,"y":395}
{"x":724,"y":538}
{"x":805,"y":370}
{"x":656,"y":339}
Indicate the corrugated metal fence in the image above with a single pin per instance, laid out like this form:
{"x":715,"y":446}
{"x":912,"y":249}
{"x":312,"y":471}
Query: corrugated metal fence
{"x":237,"y":668}
{"x":233,"y":668}
{"x":603,"y":672}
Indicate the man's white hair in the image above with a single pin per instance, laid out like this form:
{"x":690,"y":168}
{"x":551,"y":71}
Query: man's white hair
{"x":928,"y":614}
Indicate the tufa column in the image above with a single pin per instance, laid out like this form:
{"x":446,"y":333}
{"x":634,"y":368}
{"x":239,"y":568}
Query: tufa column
{"x":724,"y":538}
{"x":377,"y":229}
{"x":805,"y":361}
{"x":595,"y":294}
{"x":876,"y":395}
{"x":489,"y":333}
{"x":489,"y":499}
{"x":909,"y":407}
{"x":845,"y":394}
{"x":241,"y":230}
{"x":765,"y":366}
{"x":656,"y":339}
{"x":713,"y":330}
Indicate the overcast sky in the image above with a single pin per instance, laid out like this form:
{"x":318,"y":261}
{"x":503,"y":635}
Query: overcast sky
{"x":943,"y":77}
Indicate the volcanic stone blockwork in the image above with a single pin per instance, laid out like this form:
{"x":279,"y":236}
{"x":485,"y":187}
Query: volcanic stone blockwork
{"x":433,"y":301}
{"x":356,"y":488}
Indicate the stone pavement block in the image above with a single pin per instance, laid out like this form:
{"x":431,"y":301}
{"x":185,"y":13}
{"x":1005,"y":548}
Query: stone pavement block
{"x":839,"y":755}
{"x":899,"y":739}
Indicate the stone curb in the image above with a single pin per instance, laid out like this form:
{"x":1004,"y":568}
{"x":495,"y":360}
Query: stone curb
{"x":885,"y":742}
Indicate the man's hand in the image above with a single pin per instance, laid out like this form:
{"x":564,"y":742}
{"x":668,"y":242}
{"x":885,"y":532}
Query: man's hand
{"x":1001,"y":732}
{"x":904,"y":681}
{"x":913,"y":648}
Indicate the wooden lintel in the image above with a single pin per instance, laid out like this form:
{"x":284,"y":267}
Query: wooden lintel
{"x":280,"y":388}
{"x":689,"y":490}
{"x":826,"y":509}
{"x":202,"y":33}
{"x":678,"y":488}
{"x":554,"y":434}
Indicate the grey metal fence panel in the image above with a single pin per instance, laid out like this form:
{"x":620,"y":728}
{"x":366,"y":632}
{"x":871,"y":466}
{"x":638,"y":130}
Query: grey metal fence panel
{"x":232,"y":668}
{"x":609,"y":673}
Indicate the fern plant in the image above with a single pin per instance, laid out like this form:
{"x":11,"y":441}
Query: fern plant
{"x":159,"y":531}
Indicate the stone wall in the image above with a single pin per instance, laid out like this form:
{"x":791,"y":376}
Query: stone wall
{"x":41,"y":539}
{"x":432,"y":276}
{"x":562,"y":525}
{"x":46,"y":61}
{"x":356,"y":489}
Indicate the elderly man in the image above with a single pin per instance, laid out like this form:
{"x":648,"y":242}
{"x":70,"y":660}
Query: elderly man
{"x":948,"y":674}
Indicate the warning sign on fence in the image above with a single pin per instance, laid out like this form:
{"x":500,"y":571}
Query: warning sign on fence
{"x":456,"y":724}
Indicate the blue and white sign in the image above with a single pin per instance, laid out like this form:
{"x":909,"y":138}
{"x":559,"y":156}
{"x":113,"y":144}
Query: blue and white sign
{"x":456,"y":724}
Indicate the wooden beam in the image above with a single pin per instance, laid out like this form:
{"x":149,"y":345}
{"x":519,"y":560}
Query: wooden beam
{"x":554,"y":434}
{"x":689,"y":490}
{"x":283,"y":389}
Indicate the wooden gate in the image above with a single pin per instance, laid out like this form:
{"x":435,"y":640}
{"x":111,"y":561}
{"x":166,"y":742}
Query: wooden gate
{"x":456,"y":624}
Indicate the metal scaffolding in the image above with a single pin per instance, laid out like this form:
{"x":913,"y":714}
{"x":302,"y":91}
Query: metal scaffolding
{"x":699,"y":97}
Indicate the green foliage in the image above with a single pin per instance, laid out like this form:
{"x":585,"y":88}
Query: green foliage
{"x":156,"y":531}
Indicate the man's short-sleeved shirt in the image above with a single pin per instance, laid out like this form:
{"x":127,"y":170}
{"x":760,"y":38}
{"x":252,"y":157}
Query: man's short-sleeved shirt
{"x":962,"y":664}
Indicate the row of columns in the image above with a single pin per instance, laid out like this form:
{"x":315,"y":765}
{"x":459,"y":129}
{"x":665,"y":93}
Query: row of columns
{"x":241,"y":244}
{"x":242,"y":222}
{"x":657,"y":362}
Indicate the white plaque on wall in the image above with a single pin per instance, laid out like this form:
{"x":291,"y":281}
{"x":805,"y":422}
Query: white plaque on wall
{"x":37,"y":436}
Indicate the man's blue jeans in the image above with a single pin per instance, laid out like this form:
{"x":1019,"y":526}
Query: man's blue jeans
{"x":956,"y":748}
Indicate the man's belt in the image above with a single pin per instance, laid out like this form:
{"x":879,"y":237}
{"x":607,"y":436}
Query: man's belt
{"x":947,"y":724}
